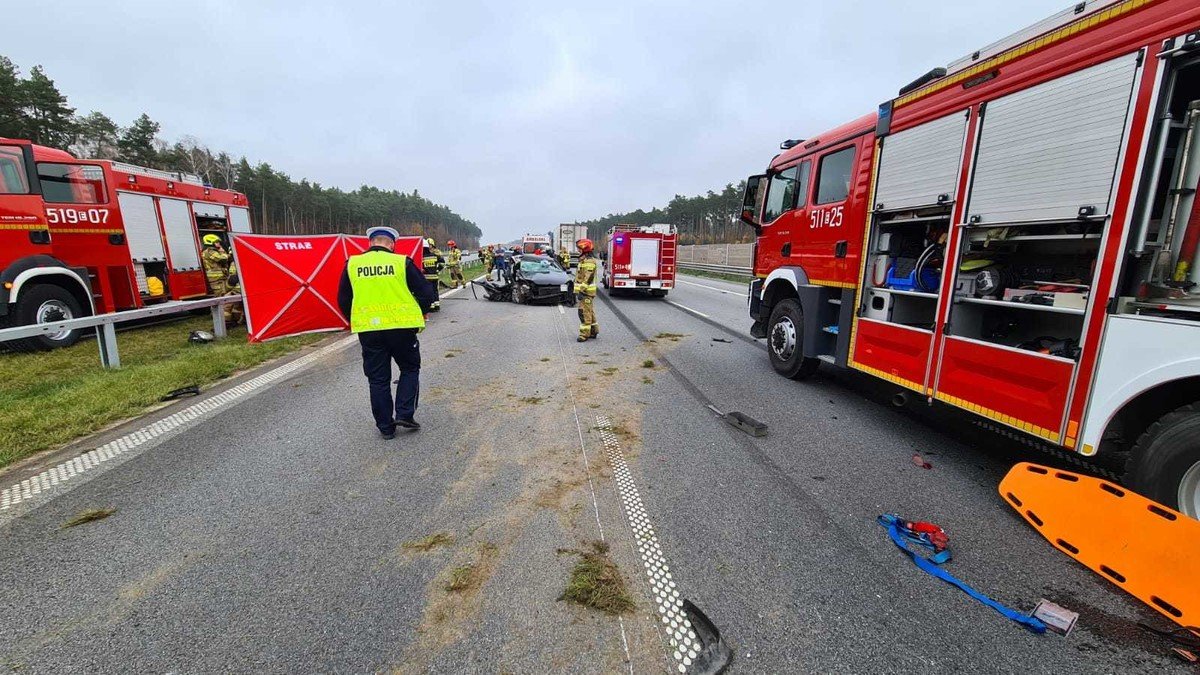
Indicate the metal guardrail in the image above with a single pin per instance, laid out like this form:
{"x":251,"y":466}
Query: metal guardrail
{"x":106,"y":333}
{"x":708,"y":267}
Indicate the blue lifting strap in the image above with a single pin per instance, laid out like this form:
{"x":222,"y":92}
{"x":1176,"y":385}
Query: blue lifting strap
{"x":929,"y":566}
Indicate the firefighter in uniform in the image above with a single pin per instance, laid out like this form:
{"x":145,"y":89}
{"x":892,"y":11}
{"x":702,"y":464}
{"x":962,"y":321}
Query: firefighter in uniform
{"x":216,"y":265}
{"x":385,"y":297}
{"x":585,"y":288}
{"x":234,"y":311}
{"x":432,"y":263}
{"x":564,"y":258}
{"x":454,"y":262}
{"x":488,"y":259}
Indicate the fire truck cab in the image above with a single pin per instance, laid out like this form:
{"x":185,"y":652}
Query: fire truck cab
{"x":81,"y":237}
{"x":1014,"y":235}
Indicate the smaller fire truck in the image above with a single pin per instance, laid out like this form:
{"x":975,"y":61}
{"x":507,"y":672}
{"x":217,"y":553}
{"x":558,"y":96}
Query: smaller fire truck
{"x":640,"y":258}
{"x":82,"y":237}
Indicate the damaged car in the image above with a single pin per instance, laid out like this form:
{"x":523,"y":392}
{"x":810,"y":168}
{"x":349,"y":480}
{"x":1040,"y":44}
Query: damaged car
{"x":533,"y":280}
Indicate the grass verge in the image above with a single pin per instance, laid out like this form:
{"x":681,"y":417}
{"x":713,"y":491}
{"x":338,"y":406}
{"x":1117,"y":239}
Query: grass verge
{"x":52,"y":398}
{"x":596,"y":582}
{"x":469,"y":272}
{"x":723,"y":276}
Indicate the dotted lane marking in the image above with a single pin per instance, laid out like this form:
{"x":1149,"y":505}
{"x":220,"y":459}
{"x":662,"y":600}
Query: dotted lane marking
{"x":50,"y":478}
{"x":675,"y":623}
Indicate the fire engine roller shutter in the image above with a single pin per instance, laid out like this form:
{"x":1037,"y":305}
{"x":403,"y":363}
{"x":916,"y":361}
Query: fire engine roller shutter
{"x":209,"y":210}
{"x":239,"y":220}
{"x":919,"y":164}
{"x":1046,"y":151}
{"x":141,"y":227}
{"x":643,"y":259}
{"x":181,"y":239}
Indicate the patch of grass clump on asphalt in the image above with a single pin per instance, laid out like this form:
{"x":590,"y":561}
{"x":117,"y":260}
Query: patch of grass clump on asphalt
{"x":596,"y":582}
{"x":461,"y":579}
{"x":533,"y":400}
{"x":648,"y":363}
{"x":608,"y":371}
{"x":646,"y":380}
{"x":450,"y":355}
{"x":427,"y":544}
{"x":88,"y":516}
{"x":673,"y":337}
{"x":544,"y":359}
{"x":590,"y":363}
{"x":53,"y":398}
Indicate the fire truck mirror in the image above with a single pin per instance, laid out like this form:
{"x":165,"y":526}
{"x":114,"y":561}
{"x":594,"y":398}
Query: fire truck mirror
{"x":750,"y":200}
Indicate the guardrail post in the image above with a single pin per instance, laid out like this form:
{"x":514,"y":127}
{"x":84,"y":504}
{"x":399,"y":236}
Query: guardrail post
{"x":218,"y":312}
{"x":106,"y":338}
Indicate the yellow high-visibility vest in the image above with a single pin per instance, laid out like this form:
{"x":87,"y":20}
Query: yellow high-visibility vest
{"x":382,"y":299}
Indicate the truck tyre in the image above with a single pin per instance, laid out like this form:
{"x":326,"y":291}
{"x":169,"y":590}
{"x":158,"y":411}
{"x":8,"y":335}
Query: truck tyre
{"x":785,"y":341}
{"x":1165,"y":462}
{"x":42,"y":304}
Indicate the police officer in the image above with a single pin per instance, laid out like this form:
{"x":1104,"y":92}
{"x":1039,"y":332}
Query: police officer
{"x":454,"y":263}
{"x":585,"y":288}
{"x":385,"y":298}
{"x":216,"y":265}
{"x":432,"y":263}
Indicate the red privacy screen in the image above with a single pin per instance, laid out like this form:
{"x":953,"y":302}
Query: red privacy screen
{"x":290,"y":283}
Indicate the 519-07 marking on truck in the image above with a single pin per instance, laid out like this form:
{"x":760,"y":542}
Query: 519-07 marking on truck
{"x":831,"y":217}
{"x":76,"y":216}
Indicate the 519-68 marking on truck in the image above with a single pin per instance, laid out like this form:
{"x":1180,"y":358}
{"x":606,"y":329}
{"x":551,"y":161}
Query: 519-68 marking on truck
{"x":831,"y":217}
{"x":75,"y":216}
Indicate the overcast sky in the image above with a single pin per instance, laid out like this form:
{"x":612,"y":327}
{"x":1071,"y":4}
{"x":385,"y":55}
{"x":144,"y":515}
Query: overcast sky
{"x":516,"y":115}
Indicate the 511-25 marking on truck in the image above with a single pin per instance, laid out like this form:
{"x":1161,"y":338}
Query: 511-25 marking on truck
{"x":831,"y":217}
{"x":75,"y":216}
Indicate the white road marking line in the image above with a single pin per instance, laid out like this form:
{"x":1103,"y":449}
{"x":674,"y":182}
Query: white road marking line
{"x":689,"y":309}
{"x":587,"y":468}
{"x":561,"y":310}
{"x":670,"y":606}
{"x":149,"y":435}
{"x":711,"y":288}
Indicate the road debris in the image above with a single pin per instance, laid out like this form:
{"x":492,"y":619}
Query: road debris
{"x":742,"y":422}
{"x":87,"y":517}
{"x":714,"y":655}
{"x":427,"y":544}
{"x":1057,"y":618}
{"x":927,"y":535}
{"x":596,"y":582}
{"x":192,"y":390}
{"x":920,"y":461}
{"x":728,"y":342}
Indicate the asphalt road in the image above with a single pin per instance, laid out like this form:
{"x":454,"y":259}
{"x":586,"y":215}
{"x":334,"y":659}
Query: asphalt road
{"x":271,"y":536}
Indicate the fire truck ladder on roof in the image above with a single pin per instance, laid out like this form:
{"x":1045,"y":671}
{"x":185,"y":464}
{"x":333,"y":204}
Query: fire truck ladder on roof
{"x":177,"y":176}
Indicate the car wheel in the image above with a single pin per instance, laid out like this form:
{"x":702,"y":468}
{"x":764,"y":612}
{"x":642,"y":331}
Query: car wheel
{"x":45,"y":304}
{"x":1165,"y":462}
{"x":785,"y":342}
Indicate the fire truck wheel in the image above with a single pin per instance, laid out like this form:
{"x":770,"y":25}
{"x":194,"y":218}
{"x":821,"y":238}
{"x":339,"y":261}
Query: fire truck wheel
{"x":785,"y":334}
{"x":1165,"y":462}
{"x":44,"y":304}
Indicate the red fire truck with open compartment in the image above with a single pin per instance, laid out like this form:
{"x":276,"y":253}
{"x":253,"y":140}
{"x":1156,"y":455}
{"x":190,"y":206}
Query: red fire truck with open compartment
{"x":81,"y":237}
{"x":640,"y":259}
{"x":1014,"y":235}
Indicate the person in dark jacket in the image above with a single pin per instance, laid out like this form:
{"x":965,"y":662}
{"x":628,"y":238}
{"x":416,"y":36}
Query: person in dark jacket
{"x":385,"y":297}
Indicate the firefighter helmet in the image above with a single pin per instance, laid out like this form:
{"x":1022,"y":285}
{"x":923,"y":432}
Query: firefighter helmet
{"x":585,"y":245}
{"x":430,"y":242}
{"x":451,"y":244}
{"x":211,"y":240}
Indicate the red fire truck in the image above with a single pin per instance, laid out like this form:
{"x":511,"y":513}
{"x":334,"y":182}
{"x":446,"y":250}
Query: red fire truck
{"x":81,"y":237}
{"x":640,"y":258}
{"x":1014,"y":235}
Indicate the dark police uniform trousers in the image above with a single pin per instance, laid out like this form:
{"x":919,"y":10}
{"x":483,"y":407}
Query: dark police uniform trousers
{"x":379,"y":349}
